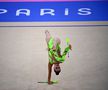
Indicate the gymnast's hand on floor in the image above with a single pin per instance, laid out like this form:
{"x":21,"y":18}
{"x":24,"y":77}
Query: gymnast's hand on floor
{"x":50,"y":82}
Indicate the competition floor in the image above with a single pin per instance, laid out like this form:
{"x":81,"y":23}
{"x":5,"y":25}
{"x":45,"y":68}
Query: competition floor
{"x":24,"y":57}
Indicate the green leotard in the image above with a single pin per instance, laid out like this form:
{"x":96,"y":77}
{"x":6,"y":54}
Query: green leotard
{"x":52,"y":53}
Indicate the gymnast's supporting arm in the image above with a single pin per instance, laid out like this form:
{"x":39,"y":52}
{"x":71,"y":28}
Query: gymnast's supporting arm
{"x":49,"y":73}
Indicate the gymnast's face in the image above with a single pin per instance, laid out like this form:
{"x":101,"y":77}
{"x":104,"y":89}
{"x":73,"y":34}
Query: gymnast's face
{"x":57,"y":69}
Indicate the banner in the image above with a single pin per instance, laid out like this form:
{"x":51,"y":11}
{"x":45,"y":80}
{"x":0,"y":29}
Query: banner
{"x":53,"y":11}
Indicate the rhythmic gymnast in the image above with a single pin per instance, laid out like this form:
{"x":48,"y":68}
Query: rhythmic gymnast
{"x":55,"y":56}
